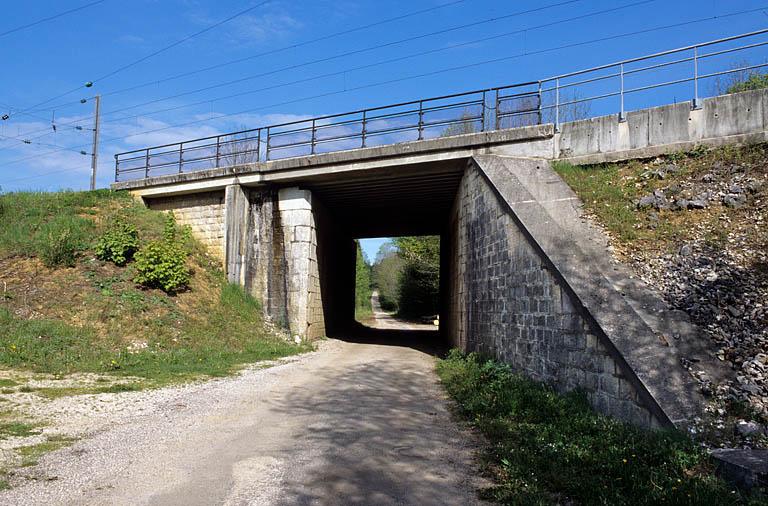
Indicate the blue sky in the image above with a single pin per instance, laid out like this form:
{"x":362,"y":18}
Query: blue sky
{"x":62,"y":54}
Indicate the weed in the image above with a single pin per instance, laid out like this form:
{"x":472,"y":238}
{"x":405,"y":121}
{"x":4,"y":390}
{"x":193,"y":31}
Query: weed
{"x":603,"y":192}
{"x":30,"y":454}
{"x":61,"y":248}
{"x":547,"y":448}
{"x":120,"y":387}
{"x":119,"y":243}
{"x":17,"y":429}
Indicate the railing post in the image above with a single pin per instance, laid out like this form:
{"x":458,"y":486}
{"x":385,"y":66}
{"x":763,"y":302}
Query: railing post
{"x":622,"y":117}
{"x":497,"y":111}
{"x":421,"y":120}
{"x":365,"y":128}
{"x":218,"y":151}
{"x":312,"y":142}
{"x":181,"y":156}
{"x":117,"y":168}
{"x":266,"y":157}
{"x":258,"y":145}
{"x":482,"y":112}
{"x":146,"y":164}
{"x":539,"y":107}
{"x":557,"y":105}
{"x":695,"y":103}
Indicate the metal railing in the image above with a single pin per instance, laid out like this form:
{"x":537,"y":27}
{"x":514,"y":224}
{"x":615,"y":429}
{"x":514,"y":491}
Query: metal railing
{"x":577,"y":95}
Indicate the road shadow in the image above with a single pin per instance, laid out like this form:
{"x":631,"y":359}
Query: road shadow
{"x":426,"y":341}
{"x":380,"y":433}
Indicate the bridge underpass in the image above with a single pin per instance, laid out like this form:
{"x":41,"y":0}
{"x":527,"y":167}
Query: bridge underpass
{"x":381,"y":205}
{"x":525,"y":277}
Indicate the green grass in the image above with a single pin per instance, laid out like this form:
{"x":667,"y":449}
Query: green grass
{"x":211,"y":331}
{"x":17,"y":429}
{"x":32,"y":453}
{"x":547,"y":448}
{"x":34,"y":221}
{"x":226,"y":336}
{"x":363,"y":312}
{"x":605,"y":194}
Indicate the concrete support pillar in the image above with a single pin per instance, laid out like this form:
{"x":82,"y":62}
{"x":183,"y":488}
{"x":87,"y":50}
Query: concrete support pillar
{"x":236,"y":216}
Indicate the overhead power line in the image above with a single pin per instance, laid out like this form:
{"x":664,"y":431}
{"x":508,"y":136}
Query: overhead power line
{"x":45,"y":144}
{"x":179,"y":42}
{"x":367,"y":49}
{"x":282,"y":49}
{"x":357,"y":68}
{"x":147,"y":57}
{"x":49,"y":18}
{"x":427,"y":74}
{"x":337,"y":56}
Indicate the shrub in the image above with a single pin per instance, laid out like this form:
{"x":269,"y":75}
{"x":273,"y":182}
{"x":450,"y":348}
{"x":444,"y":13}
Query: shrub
{"x":118,"y":244}
{"x":162,"y":264}
{"x":548,"y":448}
{"x":753,"y":82}
{"x":60,"y":248}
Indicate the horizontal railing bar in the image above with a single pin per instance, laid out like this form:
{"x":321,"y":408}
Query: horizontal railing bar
{"x":517,"y":113}
{"x":657,"y":55}
{"x":377,"y":118}
{"x":371,"y":133}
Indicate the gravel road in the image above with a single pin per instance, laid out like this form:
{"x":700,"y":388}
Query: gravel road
{"x":385,"y":320}
{"x":349,"y":424}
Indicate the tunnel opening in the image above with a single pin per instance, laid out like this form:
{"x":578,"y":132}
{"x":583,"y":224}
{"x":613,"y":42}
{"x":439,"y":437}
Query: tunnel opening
{"x":384,"y":205}
{"x":397,"y":282}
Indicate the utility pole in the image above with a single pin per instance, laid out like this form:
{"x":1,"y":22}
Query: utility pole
{"x":95,"y":150}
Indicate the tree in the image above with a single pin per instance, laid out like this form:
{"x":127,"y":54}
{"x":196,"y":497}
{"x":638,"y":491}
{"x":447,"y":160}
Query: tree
{"x":419,"y":279}
{"x":753,"y":82}
{"x":362,"y":283}
{"x":385,"y":275}
{"x":467,"y":123}
{"x":238,"y":149}
{"x":740,"y":80}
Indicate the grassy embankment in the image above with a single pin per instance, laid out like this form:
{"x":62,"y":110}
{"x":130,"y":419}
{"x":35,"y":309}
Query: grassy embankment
{"x":63,"y":311}
{"x":546,"y":448}
{"x":609,"y":192}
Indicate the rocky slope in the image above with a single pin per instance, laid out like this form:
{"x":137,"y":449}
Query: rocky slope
{"x":694,"y":227}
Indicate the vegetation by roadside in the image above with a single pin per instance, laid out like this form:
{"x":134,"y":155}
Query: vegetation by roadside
{"x":92,"y":315}
{"x":419,"y":280}
{"x":407,"y":275}
{"x":385,"y":275}
{"x":363,"y":290}
{"x":100,"y":295}
{"x":547,"y":448}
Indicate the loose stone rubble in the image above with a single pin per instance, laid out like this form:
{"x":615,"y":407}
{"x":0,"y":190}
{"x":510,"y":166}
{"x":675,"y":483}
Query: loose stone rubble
{"x":720,"y":279}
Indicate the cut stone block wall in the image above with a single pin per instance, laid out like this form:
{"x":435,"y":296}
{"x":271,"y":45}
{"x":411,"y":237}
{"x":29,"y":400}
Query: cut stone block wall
{"x":297,"y":221}
{"x":506,"y":301}
{"x":202,"y":212}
